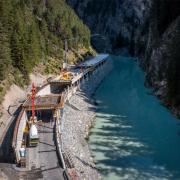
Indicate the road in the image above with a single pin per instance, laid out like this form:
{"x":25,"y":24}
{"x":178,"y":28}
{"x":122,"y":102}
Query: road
{"x":44,"y":156}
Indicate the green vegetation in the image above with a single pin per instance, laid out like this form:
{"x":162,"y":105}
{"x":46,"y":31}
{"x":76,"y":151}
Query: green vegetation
{"x":32,"y":32}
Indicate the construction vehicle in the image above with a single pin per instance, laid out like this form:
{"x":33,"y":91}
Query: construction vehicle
{"x":33,"y":138}
{"x":66,"y":76}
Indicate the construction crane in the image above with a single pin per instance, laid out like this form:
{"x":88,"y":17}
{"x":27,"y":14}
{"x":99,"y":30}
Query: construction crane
{"x":33,"y":132}
{"x":33,"y":91}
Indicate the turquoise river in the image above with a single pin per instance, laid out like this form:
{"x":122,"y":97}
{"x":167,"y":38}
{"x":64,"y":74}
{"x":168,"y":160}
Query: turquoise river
{"x":134,"y":136}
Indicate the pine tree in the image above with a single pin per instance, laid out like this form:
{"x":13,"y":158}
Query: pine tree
{"x":30,"y":30}
{"x":5,"y":59}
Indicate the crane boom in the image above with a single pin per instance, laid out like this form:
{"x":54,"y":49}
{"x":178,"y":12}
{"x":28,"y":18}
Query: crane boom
{"x":33,"y":100}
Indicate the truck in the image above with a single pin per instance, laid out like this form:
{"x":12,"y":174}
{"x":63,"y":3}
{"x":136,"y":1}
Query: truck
{"x":33,"y":136}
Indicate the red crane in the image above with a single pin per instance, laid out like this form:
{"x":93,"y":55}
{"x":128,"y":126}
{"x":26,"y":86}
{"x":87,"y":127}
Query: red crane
{"x":33,"y":91}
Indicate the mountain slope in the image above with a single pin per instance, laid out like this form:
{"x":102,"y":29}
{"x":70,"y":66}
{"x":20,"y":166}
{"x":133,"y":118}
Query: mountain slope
{"x":33,"y":32}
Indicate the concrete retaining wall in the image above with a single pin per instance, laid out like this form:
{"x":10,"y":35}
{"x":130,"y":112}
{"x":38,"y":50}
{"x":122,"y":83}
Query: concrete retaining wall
{"x":19,"y":137}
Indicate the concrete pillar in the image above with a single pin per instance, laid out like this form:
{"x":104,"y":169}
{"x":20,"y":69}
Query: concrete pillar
{"x":71,"y":88}
{"x":68,"y":92}
{"x":78,"y":84}
{"x":68,"y":89}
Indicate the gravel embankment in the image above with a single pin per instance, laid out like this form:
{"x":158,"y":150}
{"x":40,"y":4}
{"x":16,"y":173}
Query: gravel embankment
{"x":78,"y":116}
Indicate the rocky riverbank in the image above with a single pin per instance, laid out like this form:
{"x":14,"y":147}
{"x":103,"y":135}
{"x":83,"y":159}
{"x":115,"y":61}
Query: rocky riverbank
{"x":78,"y":116}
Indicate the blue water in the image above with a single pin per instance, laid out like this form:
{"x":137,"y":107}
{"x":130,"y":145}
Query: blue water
{"x":134,"y":137}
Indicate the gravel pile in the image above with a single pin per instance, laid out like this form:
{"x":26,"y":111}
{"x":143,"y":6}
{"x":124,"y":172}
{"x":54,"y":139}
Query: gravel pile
{"x":78,"y":116}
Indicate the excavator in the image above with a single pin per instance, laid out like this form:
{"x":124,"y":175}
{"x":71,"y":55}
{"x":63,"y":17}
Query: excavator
{"x":65,"y":75}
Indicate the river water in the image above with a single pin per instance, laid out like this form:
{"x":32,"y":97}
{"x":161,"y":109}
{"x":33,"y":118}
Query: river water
{"x":134,"y":137}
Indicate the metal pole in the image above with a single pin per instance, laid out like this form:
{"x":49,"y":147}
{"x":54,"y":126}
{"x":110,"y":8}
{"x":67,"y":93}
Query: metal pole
{"x":75,"y":38}
{"x":66,"y":49}
{"x":65,"y":54}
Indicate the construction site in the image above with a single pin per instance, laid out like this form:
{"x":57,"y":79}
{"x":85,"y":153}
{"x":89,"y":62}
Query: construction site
{"x":37,"y":142}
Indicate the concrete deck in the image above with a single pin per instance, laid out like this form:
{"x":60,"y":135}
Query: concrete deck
{"x":93,"y":62}
{"x":43,"y":102}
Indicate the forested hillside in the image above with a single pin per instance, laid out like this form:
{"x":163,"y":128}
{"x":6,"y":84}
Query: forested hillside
{"x":33,"y":32}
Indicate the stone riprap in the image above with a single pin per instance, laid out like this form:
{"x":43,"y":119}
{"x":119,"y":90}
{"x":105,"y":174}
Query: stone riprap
{"x":79,"y":113}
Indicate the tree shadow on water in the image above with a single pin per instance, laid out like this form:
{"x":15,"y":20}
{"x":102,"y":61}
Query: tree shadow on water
{"x":119,"y":151}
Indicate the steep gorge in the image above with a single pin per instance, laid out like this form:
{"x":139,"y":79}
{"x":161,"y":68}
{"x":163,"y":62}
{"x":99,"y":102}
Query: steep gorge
{"x":150,"y":30}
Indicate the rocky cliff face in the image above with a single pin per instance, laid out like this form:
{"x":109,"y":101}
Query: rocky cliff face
{"x":157,"y":43}
{"x":151,"y":31}
{"x":115,"y":19}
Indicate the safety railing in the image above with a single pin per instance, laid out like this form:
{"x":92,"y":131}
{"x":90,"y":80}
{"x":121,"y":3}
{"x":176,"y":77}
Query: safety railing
{"x":59,"y":146}
{"x":65,"y":157}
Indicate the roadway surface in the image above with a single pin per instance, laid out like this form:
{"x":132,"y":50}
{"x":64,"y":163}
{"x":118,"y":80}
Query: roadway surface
{"x":44,"y":156}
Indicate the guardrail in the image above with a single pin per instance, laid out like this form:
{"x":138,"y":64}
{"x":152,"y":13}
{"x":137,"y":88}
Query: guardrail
{"x":65,"y":157}
{"x":59,"y":145}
